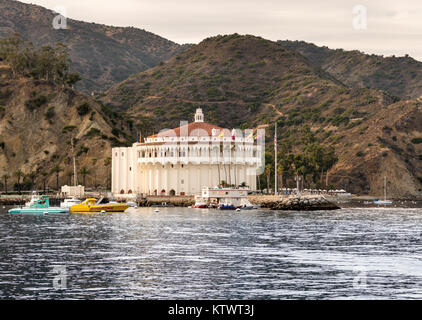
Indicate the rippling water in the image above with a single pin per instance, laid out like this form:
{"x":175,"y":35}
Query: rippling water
{"x":183,"y":253}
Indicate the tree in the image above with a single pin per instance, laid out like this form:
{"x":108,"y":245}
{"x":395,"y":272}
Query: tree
{"x":5,"y":177}
{"x":280,"y":170}
{"x":107,"y":164}
{"x":268,"y":174}
{"x":44,"y":175}
{"x":69,"y":175}
{"x":84,"y":171}
{"x":19,"y":174}
{"x":57,"y":169}
{"x":94,"y":162}
{"x":46,"y":62}
{"x":32,"y":177}
{"x":9,"y":51}
{"x":72,"y":79}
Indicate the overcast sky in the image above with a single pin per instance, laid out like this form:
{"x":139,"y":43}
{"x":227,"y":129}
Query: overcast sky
{"x":393,"y":27}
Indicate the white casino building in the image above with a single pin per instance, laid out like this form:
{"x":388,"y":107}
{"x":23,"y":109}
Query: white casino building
{"x":184,"y":160}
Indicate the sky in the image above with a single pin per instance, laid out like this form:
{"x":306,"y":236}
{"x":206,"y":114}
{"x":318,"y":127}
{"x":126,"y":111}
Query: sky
{"x":387,"y":27}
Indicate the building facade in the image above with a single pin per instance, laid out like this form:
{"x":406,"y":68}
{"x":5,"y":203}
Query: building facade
{"x":184,"y":160}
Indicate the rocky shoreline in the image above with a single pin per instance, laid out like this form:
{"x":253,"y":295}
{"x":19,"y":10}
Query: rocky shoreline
{"x":294,"y":202}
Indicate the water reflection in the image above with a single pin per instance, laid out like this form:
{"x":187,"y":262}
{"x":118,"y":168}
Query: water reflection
{"x":208,"y":254}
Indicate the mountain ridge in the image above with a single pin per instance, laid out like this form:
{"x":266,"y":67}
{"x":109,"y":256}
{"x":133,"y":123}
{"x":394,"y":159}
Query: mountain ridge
{"x":102,"y":54}
{"x":400,"y":76}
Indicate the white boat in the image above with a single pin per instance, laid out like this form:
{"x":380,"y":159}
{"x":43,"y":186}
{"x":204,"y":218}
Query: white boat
{"x":200,"y":203}
{"x":67,"y":203}
{"x":40,"y":207}
{"x":246,"y":205}
{"x":34,"y":199}
{"x":224,"y":199}
{"x":132,"y":204}
{"x":381,"y":202}
{"x":385,"y":201}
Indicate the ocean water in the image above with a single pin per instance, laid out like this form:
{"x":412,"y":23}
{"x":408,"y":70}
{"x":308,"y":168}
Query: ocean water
{"x":181,"y":253}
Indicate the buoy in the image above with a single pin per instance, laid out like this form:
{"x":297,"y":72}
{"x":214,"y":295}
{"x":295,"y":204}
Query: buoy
{"x":237,"y":209}
{"x":103,"y":211}
{"x":156,"y":210}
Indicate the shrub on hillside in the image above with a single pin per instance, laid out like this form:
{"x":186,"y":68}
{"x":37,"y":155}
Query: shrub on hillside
{"x":416,"y":140}
{"x":84,"y":109}
{"x":35,"y":103}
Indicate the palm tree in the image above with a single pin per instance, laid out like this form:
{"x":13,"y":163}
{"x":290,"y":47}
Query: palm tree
{"x":84,"y":171}
{"x":5,"y":177}
{"x":268,"y":173}
{"x":107,"y":164}
{"x":32,"y":177}
{"x":69,"y":174}
{"x":280,"y":170}
{"x":94,"y":162}
{"x":57,"y":169}
{"x":19,"y":174}
{"x":44,"y":178}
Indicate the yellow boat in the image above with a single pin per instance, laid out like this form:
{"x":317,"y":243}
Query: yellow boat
{"x":92,"y":205}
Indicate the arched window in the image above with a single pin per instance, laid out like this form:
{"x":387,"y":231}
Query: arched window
{"x":129,"y":192}
{"x":122,"y":191}
{"x":172,"y":193}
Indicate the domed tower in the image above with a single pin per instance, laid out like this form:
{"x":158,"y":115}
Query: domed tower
{"x":199,"y":116}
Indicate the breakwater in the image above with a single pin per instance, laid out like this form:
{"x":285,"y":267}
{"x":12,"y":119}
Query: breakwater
{"x":294,"y":202}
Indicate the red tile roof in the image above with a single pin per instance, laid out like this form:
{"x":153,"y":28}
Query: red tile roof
{"x":193,"y":129}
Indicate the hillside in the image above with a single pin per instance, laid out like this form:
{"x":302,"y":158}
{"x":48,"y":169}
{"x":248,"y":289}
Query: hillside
{"x":400,"y":76}
{"x":247,"y":81}
{"x":37,"y":121}
{"x":103,"y":55}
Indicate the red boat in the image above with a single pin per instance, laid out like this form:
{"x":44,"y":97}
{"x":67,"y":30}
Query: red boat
{"x":200,"y":206}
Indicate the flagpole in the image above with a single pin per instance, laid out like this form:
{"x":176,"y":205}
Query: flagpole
{"x":275,"y":160}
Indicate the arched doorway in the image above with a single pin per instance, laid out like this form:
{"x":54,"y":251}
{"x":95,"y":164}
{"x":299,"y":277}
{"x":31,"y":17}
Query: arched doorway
{"x":163,"y":192}
{"x":172,"y":193}
{"x":155,"y":192}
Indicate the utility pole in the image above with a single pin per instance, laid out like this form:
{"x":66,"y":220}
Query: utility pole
{"x":275,"y":160}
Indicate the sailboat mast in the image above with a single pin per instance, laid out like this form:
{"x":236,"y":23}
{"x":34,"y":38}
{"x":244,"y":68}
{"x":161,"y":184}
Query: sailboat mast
{"x":75,"y":177}
{"x":275,"y":160}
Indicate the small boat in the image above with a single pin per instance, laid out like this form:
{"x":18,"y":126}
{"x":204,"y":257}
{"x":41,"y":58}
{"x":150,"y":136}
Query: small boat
{"x":67,"y":203}
{"x":132,"y":204}
{"x":246,"y":205}
{"x":227,"y":206}
{"x":92,"y":205}
{"x":40,"y":207}
{"x":200,"y":203}
{"x":250,"y":207}
{"x":382,"y":202}
{"x":34,"y":198}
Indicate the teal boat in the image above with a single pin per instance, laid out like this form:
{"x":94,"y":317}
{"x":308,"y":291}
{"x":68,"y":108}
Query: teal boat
{"x":39,"y":207}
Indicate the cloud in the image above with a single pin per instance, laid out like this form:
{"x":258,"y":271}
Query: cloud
{"x":393,"y":26}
